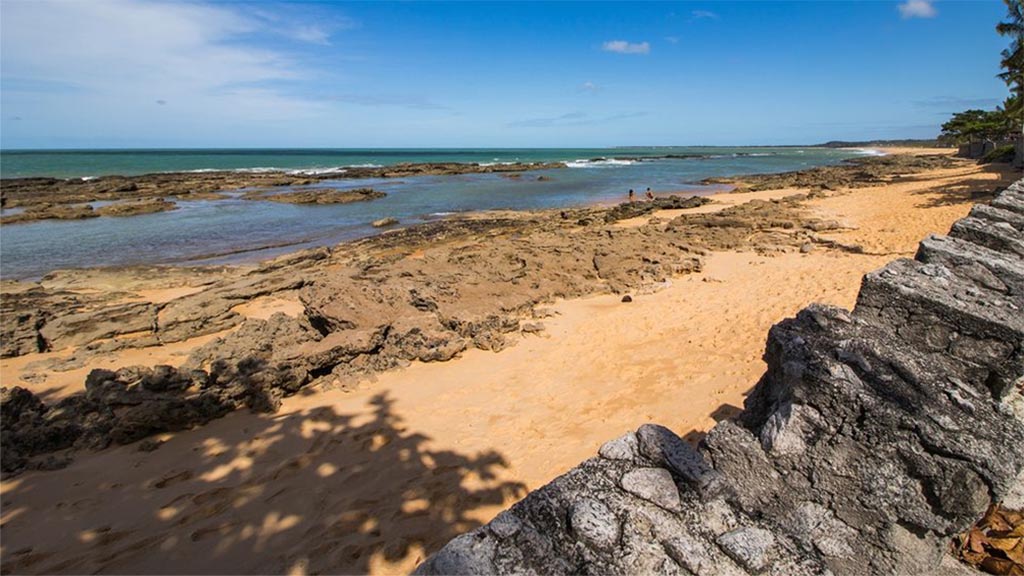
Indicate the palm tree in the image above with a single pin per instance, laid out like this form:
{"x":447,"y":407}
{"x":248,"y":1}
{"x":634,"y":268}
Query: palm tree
{"x":1013,"y":62}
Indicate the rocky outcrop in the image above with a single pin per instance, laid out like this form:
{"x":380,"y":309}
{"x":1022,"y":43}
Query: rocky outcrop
{"x":317,"y":196}
{"x":117,"y":408}
{"x":49,"y":211}
{"x":41,"y":196}
{"x":135,"y":208}
{"x":854,"y":173}
{"x":873,"y":437}
{"x":642,"y":208}
{"x":422,"y":293}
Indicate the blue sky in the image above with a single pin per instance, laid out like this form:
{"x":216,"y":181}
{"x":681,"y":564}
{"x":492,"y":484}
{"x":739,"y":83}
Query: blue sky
{"x":134,"y":73}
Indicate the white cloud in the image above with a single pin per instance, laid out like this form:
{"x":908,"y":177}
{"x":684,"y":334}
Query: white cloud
{"x":573,"y":119}
{"x":589,"y":86}
{"x":624,"y":47}
{"x":95,"y":68}
{"x":672,"y":39}
{"x":704,"y":15}
{"x":310,"y":34}
{"x":917,"y":9}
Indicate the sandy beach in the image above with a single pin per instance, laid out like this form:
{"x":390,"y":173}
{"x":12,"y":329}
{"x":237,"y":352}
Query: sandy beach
{"x":372,"y":477}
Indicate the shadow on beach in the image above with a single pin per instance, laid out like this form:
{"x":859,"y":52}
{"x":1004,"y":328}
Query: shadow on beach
{"x":970,"y":191}
{"x":312,"y":491}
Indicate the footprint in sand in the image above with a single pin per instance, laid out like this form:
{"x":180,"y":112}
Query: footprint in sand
{"x":172,"y":479}
{"x":223,"y":528}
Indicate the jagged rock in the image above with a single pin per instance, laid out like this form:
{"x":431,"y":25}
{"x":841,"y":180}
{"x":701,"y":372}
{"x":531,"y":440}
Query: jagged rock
{"x":654,"y":485}
{"x":384,"y":222}
{"x":999,"y":236}
{"x":147,"y":206}
{"x":317,"y":196}
{"x":505,"y":525}
{"x":690,"y":553}
{"x":661,"y":446}
{"x":622,"y":448}
{"x":80,"y":328}
{"x":750,"y":547}
{"x":594,"y":523}
{"x":634,"y":209}
{"x":469,"y":554}
{"x":995,"y":214}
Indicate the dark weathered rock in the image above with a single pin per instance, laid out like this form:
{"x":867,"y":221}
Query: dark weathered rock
{"x":318,"y":196}
{"x":999,"y":236}
{"x":634,"y":209}
{"x":135,"y":208}
{"x":872,"y":438}
{"x":384,"y":222}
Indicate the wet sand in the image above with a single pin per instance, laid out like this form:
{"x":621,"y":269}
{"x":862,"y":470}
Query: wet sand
{"x":373,"y":479}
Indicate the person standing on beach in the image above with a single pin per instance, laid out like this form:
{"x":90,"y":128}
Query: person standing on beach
{"x":632,"y":196}
{"x":650,"y":195}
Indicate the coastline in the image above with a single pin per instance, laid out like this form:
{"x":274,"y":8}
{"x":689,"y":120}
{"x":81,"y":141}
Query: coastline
{"x":680,"y":353}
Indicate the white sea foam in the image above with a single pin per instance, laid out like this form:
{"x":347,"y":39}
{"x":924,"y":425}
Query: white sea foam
{"x":602,"y":163}
{"x":870,"y":152}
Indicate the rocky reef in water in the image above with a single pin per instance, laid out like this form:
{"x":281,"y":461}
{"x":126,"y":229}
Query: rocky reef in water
{"x":853,"y":173}
{"x":873,"y":437}
{"x":68,"y":198}
{"x":422,"y":293}
{"x":317,"y":196}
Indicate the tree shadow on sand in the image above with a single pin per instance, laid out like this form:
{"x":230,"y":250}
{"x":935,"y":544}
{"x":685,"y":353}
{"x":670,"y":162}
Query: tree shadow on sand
{"x":971,"y":190}
{"x":315,"y":491}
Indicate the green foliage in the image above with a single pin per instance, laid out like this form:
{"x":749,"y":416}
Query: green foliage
{"x":1007,"y":120}
{"x":971,"y":125}
{"x":1000,"y":154}
{"x":1013,"y":57}
{"x":1013,"y":63}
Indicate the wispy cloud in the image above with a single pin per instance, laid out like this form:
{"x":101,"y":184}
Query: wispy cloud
{"x":589,"y":86}
{"x":672,"y":39}
{"x":309,"y":26}
{"x":624,"y":47}
{"x":120,"y":55}
{"x":917,"y":9}
{"x":703,"y":15}
{"x":954,"y":103}
{"x":396,"y":100}
{"x":310,"y":34}
{"x":573,"y":119}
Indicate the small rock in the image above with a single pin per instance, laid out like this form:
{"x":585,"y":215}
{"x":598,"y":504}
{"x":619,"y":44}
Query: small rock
{"x":806,"y":247}
{"x":622,"y":448}
{"x":384,"y":222}
{"x":532,"y":327}
{"x":149,"y":445}
{"x":594,"y":523}
{"x":505,"y":525}
{"x":690,"y":553}
{"x":627,"y":298}
{"x":470,"y":553}
{"x":663,"y":447}
{"x":654,"y":485}
{"x":749,"y":547}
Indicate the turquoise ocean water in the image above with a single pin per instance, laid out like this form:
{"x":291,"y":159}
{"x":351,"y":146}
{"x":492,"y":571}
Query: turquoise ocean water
{"x":238,"y":230}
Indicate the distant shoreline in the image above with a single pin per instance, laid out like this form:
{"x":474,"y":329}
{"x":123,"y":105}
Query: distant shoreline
{"x":92,"y":163}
